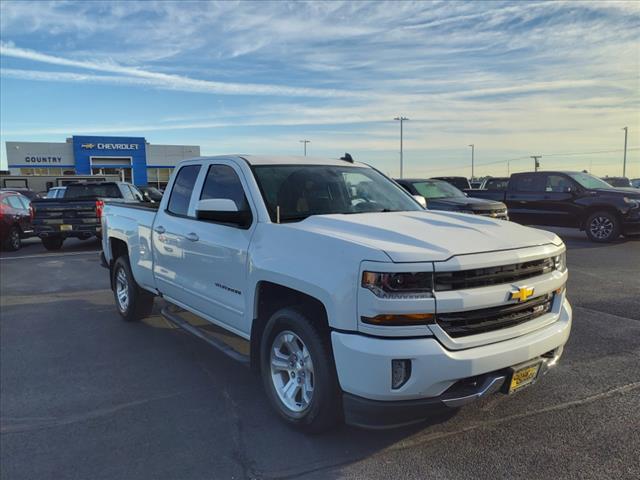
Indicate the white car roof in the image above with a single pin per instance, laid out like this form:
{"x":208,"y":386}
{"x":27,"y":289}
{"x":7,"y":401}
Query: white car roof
{"x":293,"y":160}
{"x":282,"y":160}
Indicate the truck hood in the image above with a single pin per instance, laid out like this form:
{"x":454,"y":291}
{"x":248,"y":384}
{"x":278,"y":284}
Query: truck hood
{"x":427,"y":236}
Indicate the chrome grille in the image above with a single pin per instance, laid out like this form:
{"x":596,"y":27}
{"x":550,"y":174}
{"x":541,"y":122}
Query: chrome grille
{"x":473,"y":322}
{"x":482,"y":277}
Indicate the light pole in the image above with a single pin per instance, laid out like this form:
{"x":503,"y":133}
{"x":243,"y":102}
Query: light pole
{"x":624,"y":161}
{"x":401,"y":119}
{"x":305,"y":145}
{"x":473,"y":147}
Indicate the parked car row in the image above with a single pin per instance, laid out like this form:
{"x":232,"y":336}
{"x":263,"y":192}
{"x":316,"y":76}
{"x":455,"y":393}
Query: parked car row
{"x":70,"y":211}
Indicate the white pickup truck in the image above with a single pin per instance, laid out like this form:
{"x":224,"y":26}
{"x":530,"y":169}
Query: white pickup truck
{"x":354,"y":302}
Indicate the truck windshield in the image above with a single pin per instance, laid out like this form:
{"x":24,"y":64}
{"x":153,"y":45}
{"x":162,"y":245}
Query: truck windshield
{"x":304,"y":190}
{"x":437,"y":189}
{"x":589,"y":181}
{"x":93,"y":190}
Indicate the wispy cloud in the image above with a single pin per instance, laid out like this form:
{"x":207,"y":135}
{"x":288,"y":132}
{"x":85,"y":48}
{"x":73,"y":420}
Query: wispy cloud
{"x":508,"y":76}
{"x":174,"y":82}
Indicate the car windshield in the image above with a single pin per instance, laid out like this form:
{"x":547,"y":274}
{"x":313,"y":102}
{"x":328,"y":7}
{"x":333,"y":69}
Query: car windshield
{"x":589,"y":181}
{"x":430,"y":189}
{"x":301,"y":191}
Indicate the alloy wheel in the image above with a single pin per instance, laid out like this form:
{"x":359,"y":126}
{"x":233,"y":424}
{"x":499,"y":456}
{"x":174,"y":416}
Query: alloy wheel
{"x":122,"y":289}
{"x":292,"y":371}
{"x":601,"y":227}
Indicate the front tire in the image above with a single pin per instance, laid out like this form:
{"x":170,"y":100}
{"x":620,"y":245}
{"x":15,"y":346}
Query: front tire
{"x":602,"y":227}
{"x":52,"y":243}
{"x":13,"y":241}
{"x":133,"y":303}
{"x":298,"y":371}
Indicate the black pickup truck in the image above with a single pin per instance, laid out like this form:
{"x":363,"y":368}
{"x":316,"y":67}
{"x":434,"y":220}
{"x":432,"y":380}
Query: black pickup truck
{"x":78,"y":213}
{"x":570,"y":199}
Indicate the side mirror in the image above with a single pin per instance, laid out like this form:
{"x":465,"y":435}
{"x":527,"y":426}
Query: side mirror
{"x":222,"y":210}
{"x":421,"y":200}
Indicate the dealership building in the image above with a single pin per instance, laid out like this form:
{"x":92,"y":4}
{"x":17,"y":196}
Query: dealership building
{"x":132,"y":159}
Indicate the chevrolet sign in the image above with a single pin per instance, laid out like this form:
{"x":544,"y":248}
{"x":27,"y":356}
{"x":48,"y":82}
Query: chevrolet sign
{"x":111,"y":146}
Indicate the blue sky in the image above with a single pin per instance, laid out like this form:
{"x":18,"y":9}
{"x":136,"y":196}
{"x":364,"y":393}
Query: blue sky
{"x":559,"y":79}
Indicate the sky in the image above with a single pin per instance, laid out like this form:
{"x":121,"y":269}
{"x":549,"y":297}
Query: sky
{"x":515,"y":79}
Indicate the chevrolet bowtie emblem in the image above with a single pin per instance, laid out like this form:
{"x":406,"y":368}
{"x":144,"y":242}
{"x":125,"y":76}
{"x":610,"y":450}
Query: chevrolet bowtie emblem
{"x":522,"y":294}
{"x":88,"y":146}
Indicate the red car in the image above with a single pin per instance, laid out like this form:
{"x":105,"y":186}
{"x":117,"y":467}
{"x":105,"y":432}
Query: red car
{"x":16,"y":219}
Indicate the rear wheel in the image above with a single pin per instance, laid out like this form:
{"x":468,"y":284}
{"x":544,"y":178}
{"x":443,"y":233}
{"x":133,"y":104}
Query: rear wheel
{"x":133,"y":302}
{"x":298,"y":371}
{"x":13,"y":242}
{"x":52,"y":243}
{"x":602,"y":227}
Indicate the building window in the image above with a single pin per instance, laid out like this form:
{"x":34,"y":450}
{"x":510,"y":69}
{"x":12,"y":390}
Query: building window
{"x":158,"y":177}
{"x":46,"y":171}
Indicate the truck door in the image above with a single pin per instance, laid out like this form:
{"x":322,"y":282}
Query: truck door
{"x":168,"y":235}
{"x":558,"y":201}
{"x":216,"y":279}
{"x":524,"y":198}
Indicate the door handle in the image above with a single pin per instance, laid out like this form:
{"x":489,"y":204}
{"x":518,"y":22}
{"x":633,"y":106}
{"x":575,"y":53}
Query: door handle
{"x":192,"y":237}
{"x":160,"y":229}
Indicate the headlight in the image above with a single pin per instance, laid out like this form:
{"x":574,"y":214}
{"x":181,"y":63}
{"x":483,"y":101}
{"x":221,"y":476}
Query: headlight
{"x":631,"y":202}
{"x":560,"y":262}
{"x":399,"y":285}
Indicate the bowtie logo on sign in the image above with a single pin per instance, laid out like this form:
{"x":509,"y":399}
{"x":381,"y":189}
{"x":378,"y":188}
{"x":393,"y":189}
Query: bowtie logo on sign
{"x":87,"y":146}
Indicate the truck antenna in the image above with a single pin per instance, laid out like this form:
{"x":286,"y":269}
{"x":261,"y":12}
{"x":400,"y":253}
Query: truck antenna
{"x":347,"y":158}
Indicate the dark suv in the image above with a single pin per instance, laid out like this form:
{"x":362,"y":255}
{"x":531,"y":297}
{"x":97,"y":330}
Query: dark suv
{"x":16,"y":216}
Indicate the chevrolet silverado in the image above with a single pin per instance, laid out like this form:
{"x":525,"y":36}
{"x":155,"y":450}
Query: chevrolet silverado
{"x":354,"y":302}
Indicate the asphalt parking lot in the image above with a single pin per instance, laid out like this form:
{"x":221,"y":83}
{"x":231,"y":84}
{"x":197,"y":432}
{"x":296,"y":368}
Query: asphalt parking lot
{"x":85,"y":395}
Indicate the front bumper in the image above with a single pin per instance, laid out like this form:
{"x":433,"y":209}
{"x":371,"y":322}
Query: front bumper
{"x":364,"y":369}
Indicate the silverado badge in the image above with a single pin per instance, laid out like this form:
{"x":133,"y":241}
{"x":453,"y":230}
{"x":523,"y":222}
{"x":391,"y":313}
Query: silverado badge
{"x":522,"y":294}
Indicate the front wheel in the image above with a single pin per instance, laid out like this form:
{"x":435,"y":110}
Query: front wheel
{"x":298,"y":371}
{"x":52,"y":243}
{"x":602,"y":227}
{"x":133,"y":302}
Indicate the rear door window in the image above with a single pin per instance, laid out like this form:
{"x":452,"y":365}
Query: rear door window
{"x":496,"y":184}
{"x":182,"y":190}
{"x":558,"y":184}
{"x":530,"y":183}
{"x":126,"y":192}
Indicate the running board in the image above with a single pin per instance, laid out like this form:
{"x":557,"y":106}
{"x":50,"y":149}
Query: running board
{"x":178,"y":321}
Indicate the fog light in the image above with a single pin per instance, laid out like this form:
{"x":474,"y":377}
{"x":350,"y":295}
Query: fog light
{"x":400,"y":372}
